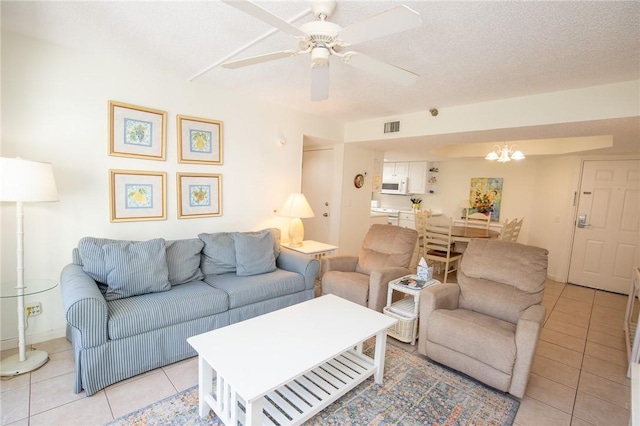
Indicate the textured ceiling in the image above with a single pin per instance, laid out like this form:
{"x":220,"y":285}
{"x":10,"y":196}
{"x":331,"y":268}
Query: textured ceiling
{"x":464,"y":52}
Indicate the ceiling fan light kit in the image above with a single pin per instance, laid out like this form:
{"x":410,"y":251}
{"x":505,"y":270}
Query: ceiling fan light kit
{"x":323,"y":39}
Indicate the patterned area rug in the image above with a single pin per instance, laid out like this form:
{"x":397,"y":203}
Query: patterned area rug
{"x":415,"y":392}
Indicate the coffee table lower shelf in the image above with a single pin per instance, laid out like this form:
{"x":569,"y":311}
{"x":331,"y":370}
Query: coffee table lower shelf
{"x":298,"y":400}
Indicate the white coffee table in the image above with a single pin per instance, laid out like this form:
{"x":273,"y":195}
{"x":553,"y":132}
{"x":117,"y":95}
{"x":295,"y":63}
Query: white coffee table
{"x":309,"y":354}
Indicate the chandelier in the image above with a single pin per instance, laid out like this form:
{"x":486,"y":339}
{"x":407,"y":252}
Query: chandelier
{"x":504,"y":154}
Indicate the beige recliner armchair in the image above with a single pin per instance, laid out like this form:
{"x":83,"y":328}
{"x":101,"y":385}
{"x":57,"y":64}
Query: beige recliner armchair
{"x":487,"y":326}
{"x":385,"y":255}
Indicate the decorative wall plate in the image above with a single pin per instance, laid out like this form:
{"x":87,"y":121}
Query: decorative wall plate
{"x":359,"y":180}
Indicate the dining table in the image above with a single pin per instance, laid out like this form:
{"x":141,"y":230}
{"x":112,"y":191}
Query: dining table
{"x":463,"y":233}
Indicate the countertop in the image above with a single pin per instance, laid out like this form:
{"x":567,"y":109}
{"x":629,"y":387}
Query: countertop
{"x":380,"y":214}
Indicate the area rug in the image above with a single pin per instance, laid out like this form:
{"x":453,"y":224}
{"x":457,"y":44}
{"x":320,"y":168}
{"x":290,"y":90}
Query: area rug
{"x":415,"y":392}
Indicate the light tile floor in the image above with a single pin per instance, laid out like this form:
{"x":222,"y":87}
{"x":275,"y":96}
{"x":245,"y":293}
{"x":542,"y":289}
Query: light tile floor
{"x":578,"y":376}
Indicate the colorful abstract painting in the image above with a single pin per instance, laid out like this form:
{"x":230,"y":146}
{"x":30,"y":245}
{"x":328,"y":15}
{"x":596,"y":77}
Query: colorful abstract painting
{"x":486,"y":197}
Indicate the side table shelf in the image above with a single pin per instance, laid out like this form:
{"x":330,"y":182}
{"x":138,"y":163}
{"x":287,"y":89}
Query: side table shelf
{"x":406,"y":311}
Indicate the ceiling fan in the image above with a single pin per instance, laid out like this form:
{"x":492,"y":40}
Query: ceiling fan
{"x":323,"y":39}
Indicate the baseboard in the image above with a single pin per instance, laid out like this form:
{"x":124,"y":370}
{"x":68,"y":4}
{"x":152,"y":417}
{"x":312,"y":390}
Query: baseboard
{"x":32,"y":339}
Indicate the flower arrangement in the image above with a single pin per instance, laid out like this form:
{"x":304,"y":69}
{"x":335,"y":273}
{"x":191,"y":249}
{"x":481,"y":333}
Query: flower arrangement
{"x":416,"y":203}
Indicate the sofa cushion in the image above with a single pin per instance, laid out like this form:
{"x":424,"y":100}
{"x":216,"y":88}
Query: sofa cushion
{"x":183,"y":260}
{"x":92,"y":256}
{"x":218,"y":254}
{"x":139,"y":314}
{"x":256,"y":288}
{"x":254,"y":253}
{"x":135,"y":268}
{"x":487,"y":339}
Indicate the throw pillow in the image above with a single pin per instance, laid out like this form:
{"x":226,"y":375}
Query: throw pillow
{"x":276,"y":241}
{"x":183,"y":260}
{"x":219,"y":253}
{"x":254,"y":253}
{"x":136,"y":268}
{"x":92,"y":257}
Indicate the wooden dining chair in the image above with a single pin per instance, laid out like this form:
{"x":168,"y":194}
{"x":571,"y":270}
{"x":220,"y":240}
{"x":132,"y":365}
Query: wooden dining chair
{"x":511,"y":230}
{"x":478,"y":220}
{"x":438,"y":248}
{"x":421,"y":217}
{"x":507,"y":229}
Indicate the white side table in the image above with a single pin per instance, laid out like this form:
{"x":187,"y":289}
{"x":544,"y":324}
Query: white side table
{"x":406,"y":310}
{"x":316,"y":250}
{"x":313,"y":248}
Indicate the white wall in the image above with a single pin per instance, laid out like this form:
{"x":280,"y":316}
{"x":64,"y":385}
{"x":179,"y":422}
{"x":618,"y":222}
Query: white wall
{"x":591,"y":103}
{"x":355,"y":213}
{"x":553,"y":212}
{"x":54,"y":104}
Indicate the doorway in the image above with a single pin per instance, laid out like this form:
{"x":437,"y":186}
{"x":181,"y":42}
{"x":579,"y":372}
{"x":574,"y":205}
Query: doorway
{"x":607,"y":237}
{"x":317,"y":178}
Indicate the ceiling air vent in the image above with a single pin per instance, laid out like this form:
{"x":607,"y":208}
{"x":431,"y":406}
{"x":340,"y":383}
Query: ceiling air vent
{"x":392,"y":127}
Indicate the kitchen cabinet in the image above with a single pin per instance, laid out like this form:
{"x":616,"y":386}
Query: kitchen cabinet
{"x":395,"y":169}
{"x":417,"y":177}
{"x":407,"y":220}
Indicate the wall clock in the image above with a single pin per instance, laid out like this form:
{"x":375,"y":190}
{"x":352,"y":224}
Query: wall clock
{"x":358,"y":181}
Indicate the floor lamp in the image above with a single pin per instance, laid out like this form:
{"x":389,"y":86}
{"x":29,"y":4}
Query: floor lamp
{"x":23,"y":181}
{"x":296,"y":206}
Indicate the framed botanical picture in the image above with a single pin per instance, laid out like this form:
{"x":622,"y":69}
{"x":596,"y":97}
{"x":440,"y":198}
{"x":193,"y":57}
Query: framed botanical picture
{"x":137,"y":195}
{"x":199,"y":195}
{"x":199,"y":140}
{"x":136,"y":131}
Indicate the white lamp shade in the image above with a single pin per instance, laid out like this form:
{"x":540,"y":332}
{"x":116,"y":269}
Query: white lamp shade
{"x":296,"y":206}
{"x":26,"y":181}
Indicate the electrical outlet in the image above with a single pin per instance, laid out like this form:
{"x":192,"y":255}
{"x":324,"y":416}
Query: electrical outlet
{"x":34,"y":309}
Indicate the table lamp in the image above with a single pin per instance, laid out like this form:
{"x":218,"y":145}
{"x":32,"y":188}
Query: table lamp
{"x":296,"y":207}
{"x":23,"y":181}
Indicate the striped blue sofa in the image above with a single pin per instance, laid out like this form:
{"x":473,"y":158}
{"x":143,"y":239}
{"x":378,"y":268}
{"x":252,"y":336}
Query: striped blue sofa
{"x":130,"y":306}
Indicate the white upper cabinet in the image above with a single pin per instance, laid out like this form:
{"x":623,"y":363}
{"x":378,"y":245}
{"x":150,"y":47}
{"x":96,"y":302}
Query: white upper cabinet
{"x":417,"y":177}
{"x":391,"y":170}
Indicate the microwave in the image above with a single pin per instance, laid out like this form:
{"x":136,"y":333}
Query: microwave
{"x":395,"y":185}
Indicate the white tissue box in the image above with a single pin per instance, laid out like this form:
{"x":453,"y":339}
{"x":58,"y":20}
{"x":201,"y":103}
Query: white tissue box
{"x":425,"y":272}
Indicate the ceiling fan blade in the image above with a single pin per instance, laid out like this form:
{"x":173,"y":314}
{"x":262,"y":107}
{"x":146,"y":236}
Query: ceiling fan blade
{"x":398,"y":19}
{"x":265,"y":16}
{"x":379,"y":68}
{"x":319,"y":82}
{"x":259,"y":59}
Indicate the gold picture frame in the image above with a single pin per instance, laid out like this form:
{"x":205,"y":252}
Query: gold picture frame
{"x":137,"y":195}
{"x":136,"y":132}
{"x":199,"y":195}
{"x":199,"y":140}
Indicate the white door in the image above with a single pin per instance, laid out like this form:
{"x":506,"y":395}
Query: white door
{"x":317,"y":176}
{"x":605,"y":250}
